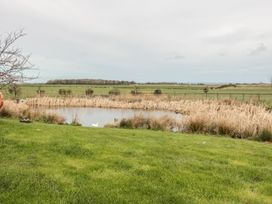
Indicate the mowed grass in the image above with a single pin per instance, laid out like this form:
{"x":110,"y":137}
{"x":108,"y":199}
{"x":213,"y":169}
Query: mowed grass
{"x":43,"y":163}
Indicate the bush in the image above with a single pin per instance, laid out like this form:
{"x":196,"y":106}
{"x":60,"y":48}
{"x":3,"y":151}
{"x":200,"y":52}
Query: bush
{"x":15,"y":90}
{"x":141,"y":122}
{"x":6,"y":113}
{"x":68,"y":92}
{"x":266,"y":136}
{"x":89,"y":92}
{"x":62,"y":92}
{"x":206,"y":90}
{"x":195,"y":125}
{"x":50,"y":118}
{"x":157,"y":92}
{"x":114,"y":92}
{"x":135,"y":92}
{"x":126,"y":123}
{"x":40,"y":92}
{"x":65,"y":92}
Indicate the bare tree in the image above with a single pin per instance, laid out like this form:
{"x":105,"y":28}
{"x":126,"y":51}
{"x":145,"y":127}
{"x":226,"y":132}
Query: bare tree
{"x":15,"y":90}
{"x":13,"y":64}
{"x":206,"y":90}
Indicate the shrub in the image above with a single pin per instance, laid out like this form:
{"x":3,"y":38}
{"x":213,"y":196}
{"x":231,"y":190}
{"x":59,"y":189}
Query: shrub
{"x":68,"y":92}
{"x":62,"y":92}
{"x":6,"y":113}
{"x":135,"y":92}
{"x":141,"y":122}
{"x":40,"y":92}
{"x":126,"y":123}
{"x":65,"y":92}
{"x":157,"y":92}
{"x":195,"y":124}
{"x":266,"y":136}
{"x":114,"y":92}
{"x":50,"y":118}
{"x":15,"y":90}
{"x":206,"y":90}
{"x":89,"y":92}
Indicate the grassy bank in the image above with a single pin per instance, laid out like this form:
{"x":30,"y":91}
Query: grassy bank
{"x":62,"y":164}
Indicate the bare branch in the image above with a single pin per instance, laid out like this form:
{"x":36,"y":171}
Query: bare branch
{"x":13,"y":63}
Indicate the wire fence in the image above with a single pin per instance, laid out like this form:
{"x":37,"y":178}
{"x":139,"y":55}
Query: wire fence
{"x":229,"y":95}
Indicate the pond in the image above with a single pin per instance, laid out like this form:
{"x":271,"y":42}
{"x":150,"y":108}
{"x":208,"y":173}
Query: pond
{"x":99,"y":117}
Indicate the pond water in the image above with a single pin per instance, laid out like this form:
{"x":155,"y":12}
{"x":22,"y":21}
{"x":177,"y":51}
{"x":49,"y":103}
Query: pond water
{"x":99,"y":117}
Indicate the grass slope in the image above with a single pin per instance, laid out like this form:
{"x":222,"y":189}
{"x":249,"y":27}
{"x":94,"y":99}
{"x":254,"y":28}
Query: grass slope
{"x":42,"y":163}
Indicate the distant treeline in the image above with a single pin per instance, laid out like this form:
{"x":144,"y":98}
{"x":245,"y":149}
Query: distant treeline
{"x":119,"y":82}
{"x":90,"y":82}
{"x":226,"y":86}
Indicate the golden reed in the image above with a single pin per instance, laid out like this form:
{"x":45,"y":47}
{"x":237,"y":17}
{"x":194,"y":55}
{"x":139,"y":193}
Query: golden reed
{"x":228,"y":117}
{"x":12,"y":109}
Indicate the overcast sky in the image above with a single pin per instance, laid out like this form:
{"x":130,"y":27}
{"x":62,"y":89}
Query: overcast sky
{"x":145,"y":40}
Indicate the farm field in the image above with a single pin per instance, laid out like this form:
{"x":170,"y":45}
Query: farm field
{"x":265,"y":90}
{"x":66,"y":164}
{"x":258,"y":92}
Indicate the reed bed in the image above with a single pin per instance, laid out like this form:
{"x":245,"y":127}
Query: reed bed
{"x":223,"y":117}
{"x":165,"y":123}
{"x":12,"y":109}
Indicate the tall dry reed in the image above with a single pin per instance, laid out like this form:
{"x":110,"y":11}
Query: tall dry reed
{"x":228,"y":117}
{"x":22,"y":110}
{"x":152,"y":123}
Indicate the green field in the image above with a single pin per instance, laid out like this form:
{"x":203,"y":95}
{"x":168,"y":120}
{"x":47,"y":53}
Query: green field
{"x":257,"y":92}
{"x":30,"y":90}
{"x":43,"y":163}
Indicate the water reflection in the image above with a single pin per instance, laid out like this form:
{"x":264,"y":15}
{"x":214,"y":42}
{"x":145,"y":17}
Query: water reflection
{"x":99,"y":117}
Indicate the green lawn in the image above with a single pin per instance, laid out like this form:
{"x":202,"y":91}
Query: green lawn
{"x":42,"y":163}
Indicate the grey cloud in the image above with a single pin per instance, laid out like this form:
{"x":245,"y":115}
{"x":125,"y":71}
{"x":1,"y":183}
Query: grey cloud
{"x":176,"y":57}
{"x":221,"y":54}
{"x":132,"y":40}
{"x":261,"y":48}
